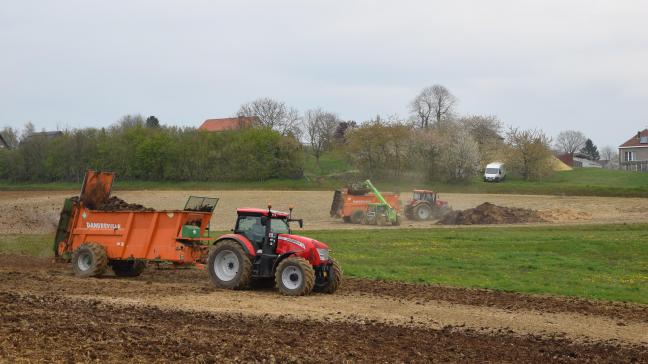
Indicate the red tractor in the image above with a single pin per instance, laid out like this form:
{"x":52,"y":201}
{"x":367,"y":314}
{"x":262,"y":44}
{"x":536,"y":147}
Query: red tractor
{"x":262,"y":247}
{"x":425,"y":205}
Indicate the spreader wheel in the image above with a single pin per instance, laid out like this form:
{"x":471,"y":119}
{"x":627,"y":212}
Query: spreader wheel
{"x":333,"y":279}
{"x":127,"y":268}
{"x":295,"y":276}
{"x":89,"y":260}
{"x":357,"y":217}
{"x":229,"y":266}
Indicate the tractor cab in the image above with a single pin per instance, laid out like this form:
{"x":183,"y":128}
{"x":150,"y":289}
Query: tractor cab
{"x":424,"y":195}
{"x":380,"y":214}
{"x":261,"y":225}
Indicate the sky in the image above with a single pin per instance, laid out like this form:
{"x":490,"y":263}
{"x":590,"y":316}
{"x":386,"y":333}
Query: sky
{"x":552,"y":65}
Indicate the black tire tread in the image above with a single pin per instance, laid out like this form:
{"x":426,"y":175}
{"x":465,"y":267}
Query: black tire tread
{"x":309,"y":276}
{"x":99,"y":259}
{"x":123,"y":268}
{"x":246,"y":264}
{"x":338,"y":275}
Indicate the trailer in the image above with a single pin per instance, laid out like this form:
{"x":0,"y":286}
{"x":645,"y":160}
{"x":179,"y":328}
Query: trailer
{"x":95,"y":239}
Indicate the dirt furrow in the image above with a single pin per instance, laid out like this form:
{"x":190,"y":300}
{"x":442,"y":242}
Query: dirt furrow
{"x":51,"y":328}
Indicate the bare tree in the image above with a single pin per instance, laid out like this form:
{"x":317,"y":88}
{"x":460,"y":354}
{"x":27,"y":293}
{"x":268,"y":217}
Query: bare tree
{"x":433,"y":105}
{"x":28,"y":130}
{"x":320,"y":128}
{"x":529,"y":153}
{"x":570,"y":141}
{"x":273,"y":114}
{"x":608,"y":153}
{"x":611,"y":156}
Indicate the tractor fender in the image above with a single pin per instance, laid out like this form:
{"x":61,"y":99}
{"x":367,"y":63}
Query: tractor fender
{"x":282,"y":257}
{"x":245,"y":243}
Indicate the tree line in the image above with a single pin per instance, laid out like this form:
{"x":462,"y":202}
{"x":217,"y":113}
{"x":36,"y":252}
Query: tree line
{"x":435,"y":143}
{"x":137,"y":150}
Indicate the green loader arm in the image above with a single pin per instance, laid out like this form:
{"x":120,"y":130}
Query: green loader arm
{"x":392,"y":215}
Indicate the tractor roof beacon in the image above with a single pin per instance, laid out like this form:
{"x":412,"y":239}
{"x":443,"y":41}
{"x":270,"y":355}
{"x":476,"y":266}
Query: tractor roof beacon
{"x":262,"y":247}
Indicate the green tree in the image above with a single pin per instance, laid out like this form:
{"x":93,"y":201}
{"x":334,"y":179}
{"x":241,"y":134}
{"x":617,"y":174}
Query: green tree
{"x":590,"y":150}
{"x":152,"y":122}
{"x":529,"y":153}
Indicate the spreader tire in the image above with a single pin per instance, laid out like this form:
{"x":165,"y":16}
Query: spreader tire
{"x":89,"y":260}
{"x":229,"y":266}
{"x":127,"y":268}
{"x":357,"y":217}
{"x":334,"y":280}
{"x":295,"y":277}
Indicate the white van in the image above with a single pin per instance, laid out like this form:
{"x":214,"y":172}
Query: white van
{"x":495,"y":172}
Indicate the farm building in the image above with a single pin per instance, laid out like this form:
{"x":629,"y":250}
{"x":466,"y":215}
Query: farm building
{"x":578,"y":160}
{"x":633,"y":154}
{"x":236,"y":123}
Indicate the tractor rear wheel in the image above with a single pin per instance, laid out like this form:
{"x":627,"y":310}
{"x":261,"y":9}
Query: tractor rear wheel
{"x":357,"y":217}
{"x":295,"y":276}
{"x":89,"y":260}
{"x":334,"y":280}
{"x":127,"y":268}
{"x":229,"y":266}
{"x":422,"y":212}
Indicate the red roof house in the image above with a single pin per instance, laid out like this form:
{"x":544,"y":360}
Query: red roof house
{"x":241,"y":122}
{"x":633,"y":154}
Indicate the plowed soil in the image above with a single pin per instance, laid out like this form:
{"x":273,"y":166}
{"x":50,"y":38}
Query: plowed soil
{"x":37,"y":211}
{"x":47,"y":314}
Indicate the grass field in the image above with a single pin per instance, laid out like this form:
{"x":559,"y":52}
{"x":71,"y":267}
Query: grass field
{"x":601,"y":262}
{"x":579,"y":182}
{"x":607,"y":262}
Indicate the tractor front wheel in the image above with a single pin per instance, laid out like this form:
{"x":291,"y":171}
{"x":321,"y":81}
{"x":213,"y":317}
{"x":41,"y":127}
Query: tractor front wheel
{"x":295,"y":276}
{"x":127,"y":268}
{"x":89,"y":260}
{"x":333,"y":279}
{"x":229,"y":266}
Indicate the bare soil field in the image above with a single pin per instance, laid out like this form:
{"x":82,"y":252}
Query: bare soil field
{"x":47,"y":314}
{"x":37,"y":211}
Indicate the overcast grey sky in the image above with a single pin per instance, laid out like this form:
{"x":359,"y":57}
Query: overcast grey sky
{"x":535,"y":64}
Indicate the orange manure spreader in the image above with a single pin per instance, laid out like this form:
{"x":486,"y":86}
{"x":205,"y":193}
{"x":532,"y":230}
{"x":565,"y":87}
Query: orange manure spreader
{"x":97,"y":231}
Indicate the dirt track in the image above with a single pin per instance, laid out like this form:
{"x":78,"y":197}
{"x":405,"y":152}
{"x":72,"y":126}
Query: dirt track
{"x":164,"y":315}
{"x":37,"y":212}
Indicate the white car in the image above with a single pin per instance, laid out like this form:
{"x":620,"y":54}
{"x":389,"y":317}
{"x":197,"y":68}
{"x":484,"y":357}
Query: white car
{"x":494,"y":172}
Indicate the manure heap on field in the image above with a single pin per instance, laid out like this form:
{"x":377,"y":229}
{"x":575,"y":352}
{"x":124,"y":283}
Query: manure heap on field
{"x":488,"y":213}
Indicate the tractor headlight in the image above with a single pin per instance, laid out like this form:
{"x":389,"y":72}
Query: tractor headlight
{"x":323,"y":254}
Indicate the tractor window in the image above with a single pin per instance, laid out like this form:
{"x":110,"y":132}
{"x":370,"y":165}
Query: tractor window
{"x":416,"y":196}
{"x":251,"y":228}
{"x":279,"y":226}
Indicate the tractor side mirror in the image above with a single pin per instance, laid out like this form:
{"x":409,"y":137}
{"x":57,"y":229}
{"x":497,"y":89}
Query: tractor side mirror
{"x":301,"y":223}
